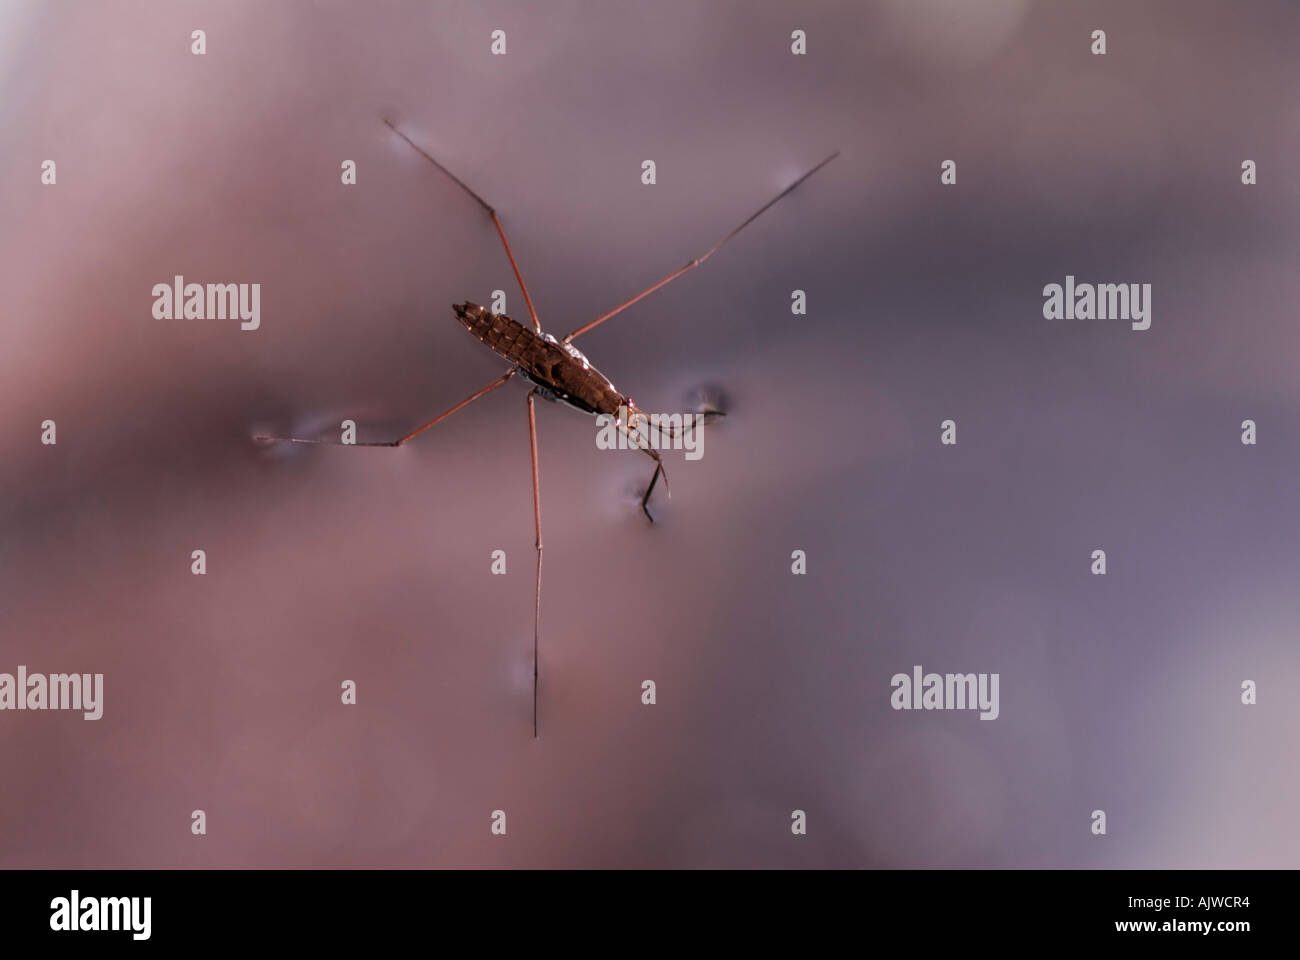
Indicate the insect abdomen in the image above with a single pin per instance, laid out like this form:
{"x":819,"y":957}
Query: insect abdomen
{"x":508,"y":338}
{"x":562,"y":372}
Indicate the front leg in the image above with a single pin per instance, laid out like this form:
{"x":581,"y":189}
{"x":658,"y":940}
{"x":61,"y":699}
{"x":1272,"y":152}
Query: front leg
{"x":634,"y":437}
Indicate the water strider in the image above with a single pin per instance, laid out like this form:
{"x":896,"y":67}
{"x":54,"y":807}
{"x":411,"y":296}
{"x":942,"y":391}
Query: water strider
{"x":557,"y":370}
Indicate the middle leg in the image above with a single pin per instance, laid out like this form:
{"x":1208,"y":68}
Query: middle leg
{"x":537,"y":525}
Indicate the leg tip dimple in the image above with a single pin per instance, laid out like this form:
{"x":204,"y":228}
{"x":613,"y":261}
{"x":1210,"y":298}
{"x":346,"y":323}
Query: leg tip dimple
{"x":709,"y":399}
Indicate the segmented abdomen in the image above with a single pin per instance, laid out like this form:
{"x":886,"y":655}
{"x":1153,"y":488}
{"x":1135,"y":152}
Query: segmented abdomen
{"x":509,"y":338}
{"x":562,"y":371}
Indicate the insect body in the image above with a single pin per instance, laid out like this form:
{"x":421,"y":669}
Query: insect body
{"x":557,"y":369}
{"x":560,"y":368}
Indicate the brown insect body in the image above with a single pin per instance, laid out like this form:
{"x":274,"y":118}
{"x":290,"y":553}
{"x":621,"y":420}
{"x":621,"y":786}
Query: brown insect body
{"x":561,"y":370}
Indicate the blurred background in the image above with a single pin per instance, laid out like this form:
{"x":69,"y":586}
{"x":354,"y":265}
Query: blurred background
{"x":222,"y":691}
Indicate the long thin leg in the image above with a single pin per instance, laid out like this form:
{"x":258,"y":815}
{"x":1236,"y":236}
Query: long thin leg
{"x":671,"y":431}
{"x":659,"y":472}
{"x":418,"y":430}
{"x":639,"y":443}
{"x":537,"y":324}
{"x":537,"y":524}
{"x":697,"y":261}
